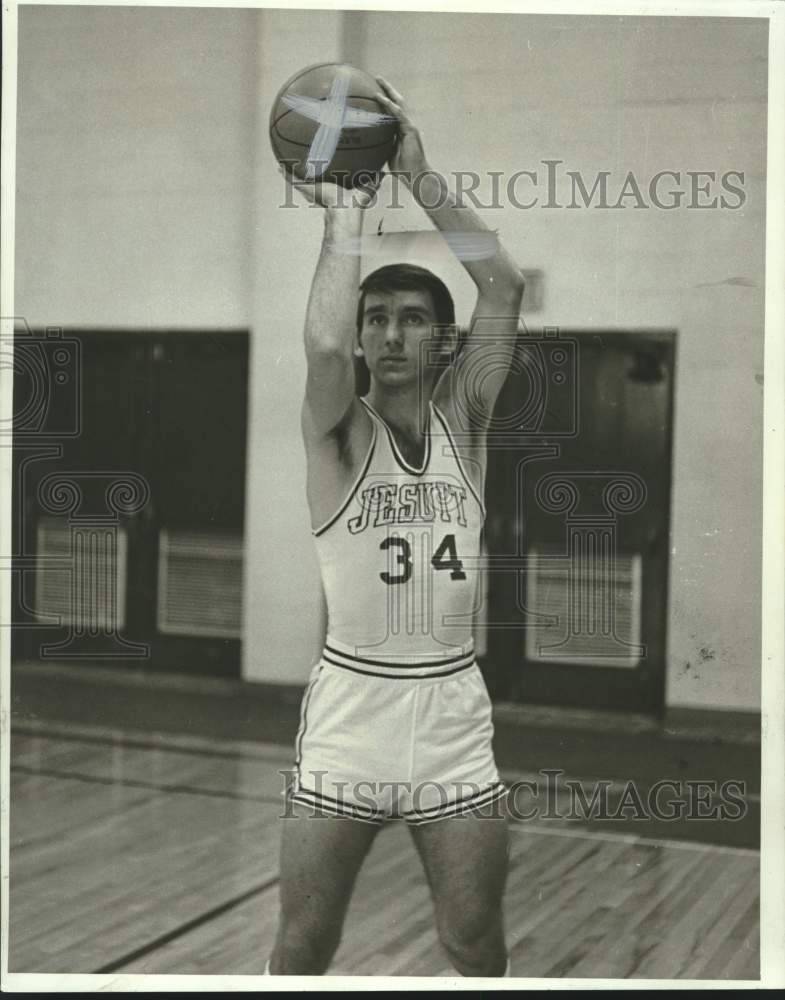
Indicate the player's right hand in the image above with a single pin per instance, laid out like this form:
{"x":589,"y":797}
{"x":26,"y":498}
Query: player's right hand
{"x":331,"y":196}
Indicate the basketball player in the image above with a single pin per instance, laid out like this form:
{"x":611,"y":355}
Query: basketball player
{"x":396,"y":719}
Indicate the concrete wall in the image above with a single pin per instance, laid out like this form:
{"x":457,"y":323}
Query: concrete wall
{"x":148,"y":196}
{"x":134,"y":166}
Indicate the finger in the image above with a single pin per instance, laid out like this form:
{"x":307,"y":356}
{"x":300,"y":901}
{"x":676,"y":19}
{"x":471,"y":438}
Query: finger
{"x":391,"y":91}
{"x":390,"y":101}
{"x":393,"y":108}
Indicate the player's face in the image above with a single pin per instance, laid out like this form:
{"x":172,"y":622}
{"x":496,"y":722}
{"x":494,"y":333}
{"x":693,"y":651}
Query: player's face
{"x":394,"y":325}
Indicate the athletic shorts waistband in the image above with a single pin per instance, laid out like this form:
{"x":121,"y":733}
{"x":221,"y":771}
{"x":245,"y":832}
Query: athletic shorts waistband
{"x":403,"y":667}
{"x":444,"y":809}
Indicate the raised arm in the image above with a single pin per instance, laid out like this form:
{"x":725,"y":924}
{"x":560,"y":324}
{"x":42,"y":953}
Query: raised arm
{"x":331,"y":314}
{"x":498,"y":279}
{"x":329,"y":323}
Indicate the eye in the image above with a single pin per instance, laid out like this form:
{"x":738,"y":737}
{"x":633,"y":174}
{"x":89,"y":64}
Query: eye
{"x":413,"y":319}
{"x":377,"y":320}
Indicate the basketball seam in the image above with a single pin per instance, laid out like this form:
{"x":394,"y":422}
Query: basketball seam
{"x":275,"y":134}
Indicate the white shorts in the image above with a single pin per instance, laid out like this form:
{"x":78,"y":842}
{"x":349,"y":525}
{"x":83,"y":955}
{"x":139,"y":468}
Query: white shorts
{"x":381,"y":740}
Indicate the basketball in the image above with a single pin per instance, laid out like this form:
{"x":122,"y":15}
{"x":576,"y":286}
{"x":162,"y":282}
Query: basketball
{"x":327,"y":125}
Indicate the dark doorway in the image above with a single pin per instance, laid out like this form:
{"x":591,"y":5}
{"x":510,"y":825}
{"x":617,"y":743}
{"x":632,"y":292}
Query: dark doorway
{"x":129,"y":492}
{"x":577,"y":534}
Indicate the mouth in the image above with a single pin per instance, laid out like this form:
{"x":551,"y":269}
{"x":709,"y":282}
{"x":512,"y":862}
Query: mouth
{"x":393,"y":360}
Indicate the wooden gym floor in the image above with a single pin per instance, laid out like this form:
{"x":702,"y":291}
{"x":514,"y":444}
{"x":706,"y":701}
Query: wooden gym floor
{"x":145,"y":853}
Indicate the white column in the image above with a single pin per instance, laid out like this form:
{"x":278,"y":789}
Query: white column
{"x":284,"y":619}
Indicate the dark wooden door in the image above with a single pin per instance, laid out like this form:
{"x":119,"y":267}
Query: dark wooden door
{"x":578,"y":522}
{"x":128,"y":506}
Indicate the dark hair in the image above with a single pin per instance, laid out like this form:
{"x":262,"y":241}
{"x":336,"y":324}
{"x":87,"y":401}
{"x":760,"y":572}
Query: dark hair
{"x":408,"y":278}
{"x":401,"y":278}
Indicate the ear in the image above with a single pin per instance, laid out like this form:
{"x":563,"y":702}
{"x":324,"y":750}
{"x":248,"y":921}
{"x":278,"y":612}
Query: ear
{"x":449,"y":340}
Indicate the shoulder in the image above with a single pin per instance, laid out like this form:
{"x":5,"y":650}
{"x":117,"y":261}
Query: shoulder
{"x":345,"y":443}
{"x":460,"y":423}
{"x":467,"y":447}
{"x":355,"y":422}
{"x":337,"y":460}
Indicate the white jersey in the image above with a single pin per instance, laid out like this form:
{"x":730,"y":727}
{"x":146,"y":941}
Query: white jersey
{"x":400,"y":558}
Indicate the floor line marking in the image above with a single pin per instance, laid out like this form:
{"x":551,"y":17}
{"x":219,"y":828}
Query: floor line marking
{"x":147,"y":785}
{"x":631,"y":838}
{"x":142,"y":744}
{"x":190,"y":925}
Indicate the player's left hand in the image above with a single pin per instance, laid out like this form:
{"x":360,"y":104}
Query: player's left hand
{"x":409,"y":155}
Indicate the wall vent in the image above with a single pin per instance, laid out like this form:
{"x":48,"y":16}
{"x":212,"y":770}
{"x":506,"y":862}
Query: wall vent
{"x":80,"y":575}
{"x":593,"y":604}
{"x":200,"y":584}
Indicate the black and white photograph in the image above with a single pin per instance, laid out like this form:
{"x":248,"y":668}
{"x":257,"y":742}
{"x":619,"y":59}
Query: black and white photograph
{"x":392,"y":496}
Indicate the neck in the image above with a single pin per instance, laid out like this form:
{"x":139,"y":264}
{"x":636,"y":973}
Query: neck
{"x":400,"y":407}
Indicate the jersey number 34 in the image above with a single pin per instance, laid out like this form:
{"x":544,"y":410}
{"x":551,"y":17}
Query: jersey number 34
{"x":444,"y":558}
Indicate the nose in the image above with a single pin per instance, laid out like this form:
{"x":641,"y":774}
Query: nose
{"x":394,"y":333}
